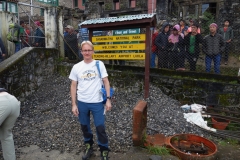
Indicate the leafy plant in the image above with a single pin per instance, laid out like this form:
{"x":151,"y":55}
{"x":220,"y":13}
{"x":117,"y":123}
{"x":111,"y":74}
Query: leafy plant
{"x":207,"y":19}
{"x":158,"y":150}
{"x":228,"y":141}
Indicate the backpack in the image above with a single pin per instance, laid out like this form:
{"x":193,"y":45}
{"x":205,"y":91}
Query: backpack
{"x":13,"y":32}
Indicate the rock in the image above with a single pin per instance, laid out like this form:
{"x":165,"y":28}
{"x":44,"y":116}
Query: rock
{"x":155,"y":157}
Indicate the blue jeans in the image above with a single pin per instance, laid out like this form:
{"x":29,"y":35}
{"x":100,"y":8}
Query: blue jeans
{"x":97,"y":110}
{"x":152,"y":62}
{"x":216,"y":59}
{"x":17,"y":47}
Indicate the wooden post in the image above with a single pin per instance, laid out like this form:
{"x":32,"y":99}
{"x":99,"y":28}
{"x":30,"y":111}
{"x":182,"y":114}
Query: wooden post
{"x":90,"y":34}
{"x":147,"y":62}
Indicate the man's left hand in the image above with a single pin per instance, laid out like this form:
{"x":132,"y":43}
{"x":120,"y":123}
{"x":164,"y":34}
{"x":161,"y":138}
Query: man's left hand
{"x":108,"y":105}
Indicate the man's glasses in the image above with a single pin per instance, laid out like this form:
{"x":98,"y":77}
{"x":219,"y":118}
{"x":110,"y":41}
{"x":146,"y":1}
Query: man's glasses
{"x":85,"y":51}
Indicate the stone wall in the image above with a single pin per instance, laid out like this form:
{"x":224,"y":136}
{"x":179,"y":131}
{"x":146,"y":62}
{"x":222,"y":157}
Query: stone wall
{"x":187,"y":87}
{"x":22,"y":73}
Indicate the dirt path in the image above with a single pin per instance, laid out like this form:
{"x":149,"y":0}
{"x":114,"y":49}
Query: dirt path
{"x":226,"y":152}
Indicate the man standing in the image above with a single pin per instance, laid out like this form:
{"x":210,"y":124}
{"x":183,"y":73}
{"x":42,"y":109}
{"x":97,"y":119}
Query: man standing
{"x":213,"y":46}
{"x":86,"y":84}
{"x":9,"y":112}
{"x":227,"y":33}
{"x":18,"y":44}
{"x":39,"y":35}
{"x":2,"y":50}
{"x":71,"y":43}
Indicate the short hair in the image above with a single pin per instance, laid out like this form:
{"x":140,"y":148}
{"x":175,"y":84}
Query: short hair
{"x":226,"y":20}
{"x":21,"y":22}
{"x":182,"y":20}
{"x":86,"y":42}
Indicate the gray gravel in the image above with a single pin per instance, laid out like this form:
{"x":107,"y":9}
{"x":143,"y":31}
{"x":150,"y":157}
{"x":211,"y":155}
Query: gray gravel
{"x":46,"y":119}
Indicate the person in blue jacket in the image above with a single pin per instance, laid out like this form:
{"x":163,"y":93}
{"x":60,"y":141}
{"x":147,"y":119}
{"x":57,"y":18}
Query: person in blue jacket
{"x":39,"y":35}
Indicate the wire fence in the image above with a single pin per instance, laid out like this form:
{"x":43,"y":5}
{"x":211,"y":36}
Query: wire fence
{"x":177,"y":45}
{"x":192,"y":47}
{"x":31,"y":19}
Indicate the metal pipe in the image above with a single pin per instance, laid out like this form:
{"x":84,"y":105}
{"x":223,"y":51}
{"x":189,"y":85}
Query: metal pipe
{"x":31,"y":7}
{"x":36,"y":6}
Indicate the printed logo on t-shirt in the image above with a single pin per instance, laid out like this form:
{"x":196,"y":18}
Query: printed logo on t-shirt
{"x":88,"y":75}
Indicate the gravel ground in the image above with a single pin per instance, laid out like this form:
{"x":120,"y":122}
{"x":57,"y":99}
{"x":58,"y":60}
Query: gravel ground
{"x":46,"y":119}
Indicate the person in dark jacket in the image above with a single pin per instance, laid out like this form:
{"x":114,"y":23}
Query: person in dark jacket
{"x":227,"y":33}
{"x":176,"y":49}
{"x":2,"y":51}
{"x":213,"y":46}
{"x":161,"y":42}
{"x":192,"y":42}
{"x":39,"y":35}
{"x":72,"y":43}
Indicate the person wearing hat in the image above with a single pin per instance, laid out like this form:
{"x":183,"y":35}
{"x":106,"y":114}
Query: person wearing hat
{"x":71,"y":43}
{"x":9,"y":112}
{"x":39,"y":35}
{"x":227,"y":33}
{"x":176,"y":50}
{"x":192,"y":43}
{"x":213,"y":46}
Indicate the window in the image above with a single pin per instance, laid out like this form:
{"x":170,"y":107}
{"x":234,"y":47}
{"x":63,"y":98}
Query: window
{"x":210,"y":7}
{"x":1,"y":6}
{"x":41,"y":11}
{"x":116,"y":5}
{"x":11,"y":7}
{"x":51,"y":2}
{"x":75,"y":3}
{"x":132,"y":3}
{"x":101,"y":4}
{"x":83,"y":2}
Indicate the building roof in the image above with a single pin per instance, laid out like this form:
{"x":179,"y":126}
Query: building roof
{"x":117,"y":19}
{"x":129,"y":21}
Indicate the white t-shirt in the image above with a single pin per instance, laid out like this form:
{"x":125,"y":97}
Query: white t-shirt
{"x":89,"y":81}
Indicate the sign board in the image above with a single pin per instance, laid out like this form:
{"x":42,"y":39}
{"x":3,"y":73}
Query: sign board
{"x":115,"y":47}
{"x":126,"y":31}
{"x":139,"y":37}
{"x":120,"y":56}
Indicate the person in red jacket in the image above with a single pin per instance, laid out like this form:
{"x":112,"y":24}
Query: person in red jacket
{"x":154,"y":48}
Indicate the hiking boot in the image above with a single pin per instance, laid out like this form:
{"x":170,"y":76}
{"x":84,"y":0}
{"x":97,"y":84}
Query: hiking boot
{"x":104,"y":155}
{"x":88,"y":152}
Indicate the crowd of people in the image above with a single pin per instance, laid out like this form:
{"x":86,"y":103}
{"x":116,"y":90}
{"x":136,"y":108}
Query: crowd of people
{"x":28,"y":36}
{"x":175,"y":44}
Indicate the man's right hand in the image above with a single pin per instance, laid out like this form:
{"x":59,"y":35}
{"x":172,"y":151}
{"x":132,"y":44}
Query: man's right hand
{"x":75,"y":110}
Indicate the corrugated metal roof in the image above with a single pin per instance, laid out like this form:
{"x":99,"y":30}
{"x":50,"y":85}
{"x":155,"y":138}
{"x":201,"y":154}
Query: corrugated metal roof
{"x":117,"y":19}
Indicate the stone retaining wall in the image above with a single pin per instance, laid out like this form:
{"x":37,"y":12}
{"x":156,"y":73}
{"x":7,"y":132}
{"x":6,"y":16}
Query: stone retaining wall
{"x":22,"y":73}
{"x":187,"y":87}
